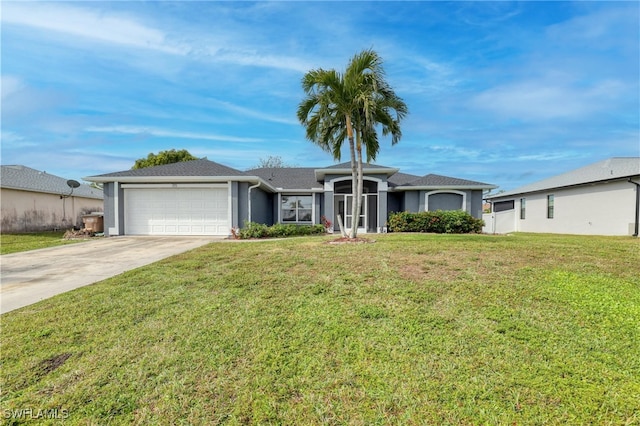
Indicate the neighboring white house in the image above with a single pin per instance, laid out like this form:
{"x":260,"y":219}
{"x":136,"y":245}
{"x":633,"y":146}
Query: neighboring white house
{"x":33,"y":200}
{"x":599,"y":199}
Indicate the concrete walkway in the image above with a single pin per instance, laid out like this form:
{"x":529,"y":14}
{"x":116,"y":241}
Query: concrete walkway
{"x":31,"y":276}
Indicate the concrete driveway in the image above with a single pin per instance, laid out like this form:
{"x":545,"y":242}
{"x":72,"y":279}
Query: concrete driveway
{"x":29,"y":277}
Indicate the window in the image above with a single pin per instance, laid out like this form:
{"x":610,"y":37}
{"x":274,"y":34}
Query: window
{"x":523,"y":208}
{"x":296,"y":208}
{"x":550,"y":206}
{"x":502,"y":206}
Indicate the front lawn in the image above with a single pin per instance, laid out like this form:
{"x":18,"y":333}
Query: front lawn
{"x":411,"y":329}
{"x":13,"y":243}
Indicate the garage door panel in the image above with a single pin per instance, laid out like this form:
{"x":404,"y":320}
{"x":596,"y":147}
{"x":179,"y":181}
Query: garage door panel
{"x":176,"y":211}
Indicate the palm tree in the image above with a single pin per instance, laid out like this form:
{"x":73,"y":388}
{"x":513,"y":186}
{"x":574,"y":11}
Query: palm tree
{"x":357,"y":102}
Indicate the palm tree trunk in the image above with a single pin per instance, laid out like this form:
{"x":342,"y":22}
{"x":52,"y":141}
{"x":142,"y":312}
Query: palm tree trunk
{"x":357,"y":187}
{"x":359,"y":190}
{"x":354,"y":179}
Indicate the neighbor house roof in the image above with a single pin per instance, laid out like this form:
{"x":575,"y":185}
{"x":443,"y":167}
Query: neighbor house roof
{"x":28,"y":179}
{"x":602,"y":171}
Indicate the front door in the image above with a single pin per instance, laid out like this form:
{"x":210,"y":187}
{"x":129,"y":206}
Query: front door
{"x":343,"y":204}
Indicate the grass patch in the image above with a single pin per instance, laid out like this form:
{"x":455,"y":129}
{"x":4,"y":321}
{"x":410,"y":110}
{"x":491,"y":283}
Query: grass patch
{"x":14,"y":243}
{"x":414,"y":329}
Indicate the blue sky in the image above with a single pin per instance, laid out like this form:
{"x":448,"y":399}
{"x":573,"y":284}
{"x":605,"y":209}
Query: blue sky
{"x":499,"y":92}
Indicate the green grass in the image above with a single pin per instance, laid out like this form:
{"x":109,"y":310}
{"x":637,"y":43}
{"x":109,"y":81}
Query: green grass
{"x":411,"y":329}
{"x":13,"y":243}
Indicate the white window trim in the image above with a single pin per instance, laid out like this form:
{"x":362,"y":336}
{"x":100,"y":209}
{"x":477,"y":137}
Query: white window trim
{"x":382,"y":185}
{"x":289,"y":194}
{"x":446,"y":191}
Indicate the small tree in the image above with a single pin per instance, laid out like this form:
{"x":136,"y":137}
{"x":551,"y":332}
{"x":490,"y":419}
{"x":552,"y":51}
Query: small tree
{"x":163,"y":157}
{"x":271,"y":162}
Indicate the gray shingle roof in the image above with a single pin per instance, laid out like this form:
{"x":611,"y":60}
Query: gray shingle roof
{"x":401,"y":179}
{"x":347,"y":165}
{"x":28,"y":179}
{"x":439,"y":181}
{"x":202,"y":167}
{"x":610,"y":169}
{"x":285,"y":177}
{"x":288,"y":177}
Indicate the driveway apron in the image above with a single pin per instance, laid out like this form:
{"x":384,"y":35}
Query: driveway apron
{"x":31,"y":276}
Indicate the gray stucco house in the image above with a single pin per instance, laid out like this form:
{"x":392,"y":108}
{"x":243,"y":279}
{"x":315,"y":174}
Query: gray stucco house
{"x":202,"y":197}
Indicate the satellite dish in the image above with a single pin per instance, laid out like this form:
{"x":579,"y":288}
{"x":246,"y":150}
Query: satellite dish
{"x":73,"y":184}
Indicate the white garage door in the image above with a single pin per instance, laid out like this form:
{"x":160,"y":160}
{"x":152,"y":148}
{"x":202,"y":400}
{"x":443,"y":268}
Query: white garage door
{"x":176,"y":211}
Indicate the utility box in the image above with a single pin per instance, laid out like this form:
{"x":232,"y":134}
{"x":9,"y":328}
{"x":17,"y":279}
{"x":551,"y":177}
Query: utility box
{"x":93,"y":222}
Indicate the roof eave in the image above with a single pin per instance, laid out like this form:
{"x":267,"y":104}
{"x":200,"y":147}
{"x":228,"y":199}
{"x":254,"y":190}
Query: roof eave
{"x":321,"y":173}
{"x":430,"y":187}
{"x":280,"y":189}
{"x":45,"y":191}
{"x":180,"y":179}
{"x":517,"y":192}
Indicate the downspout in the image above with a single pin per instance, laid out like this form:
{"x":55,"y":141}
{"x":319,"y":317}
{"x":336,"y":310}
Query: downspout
{"x":637,"y":218}
{"x":249,"y":203}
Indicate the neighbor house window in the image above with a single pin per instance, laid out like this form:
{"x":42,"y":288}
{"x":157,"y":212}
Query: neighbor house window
{"x":296,"y":208}
{"x":550,"y":206}
{"x":501,"y":206}
{"x":523,"y":208}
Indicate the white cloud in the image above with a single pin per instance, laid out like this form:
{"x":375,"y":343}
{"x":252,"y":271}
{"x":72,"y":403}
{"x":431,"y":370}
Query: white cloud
{"x":250,"y":57}
{"x":150,"y":131}
{"x":84,"y":24}
{"x":87,"y":24}
{"x":12,"y":140}
{"x":10,"y":85}
{"x":424,"y":75}
{"x":542,"y":100}
{"x":247,"y":112}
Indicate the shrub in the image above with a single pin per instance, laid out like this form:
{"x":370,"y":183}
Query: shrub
{"x":253,"y":230}
{"x":440,"y":222}
{"x":279,"y":230}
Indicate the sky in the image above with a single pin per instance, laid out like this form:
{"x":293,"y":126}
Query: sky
{"x":506,"y":93}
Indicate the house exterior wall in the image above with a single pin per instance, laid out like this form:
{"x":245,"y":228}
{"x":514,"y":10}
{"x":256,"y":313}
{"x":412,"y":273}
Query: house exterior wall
{"x":318,"y":200}
{"x":243,"y":203}
{"x":597,"y":209}
{"x":475,"y":204}
{"x":327,"y":197}
{"x":113,"y":209}
{"x":262,"y":207}
{"x":235,"y":213}
{"x":29,"y":211}
{"x":412,"y":201}
{"x":109,"y":213}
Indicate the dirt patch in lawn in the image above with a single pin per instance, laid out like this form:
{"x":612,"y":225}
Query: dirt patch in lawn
{"x":51,"y":364}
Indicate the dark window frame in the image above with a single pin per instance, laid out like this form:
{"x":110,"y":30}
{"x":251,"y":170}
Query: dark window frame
{"x":551,"y":201}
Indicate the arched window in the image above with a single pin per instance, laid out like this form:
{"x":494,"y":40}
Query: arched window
{"x":344,"y":187}
{"x":445,"y":200}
